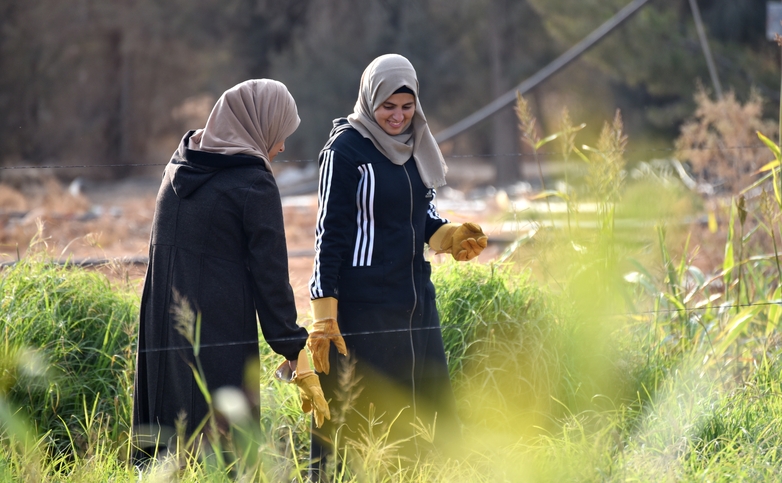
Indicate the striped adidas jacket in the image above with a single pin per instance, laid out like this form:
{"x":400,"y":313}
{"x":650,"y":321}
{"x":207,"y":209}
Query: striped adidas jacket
{"x":373,"y":220}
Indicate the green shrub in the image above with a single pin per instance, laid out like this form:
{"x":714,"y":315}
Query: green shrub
{"x":67,"y":339}
{"x":506,"y":340}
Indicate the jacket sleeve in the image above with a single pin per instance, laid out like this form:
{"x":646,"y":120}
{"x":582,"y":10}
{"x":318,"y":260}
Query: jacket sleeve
{"x":433,"y":219}
{"x":268,"y":265}
{"x":338,"y":181}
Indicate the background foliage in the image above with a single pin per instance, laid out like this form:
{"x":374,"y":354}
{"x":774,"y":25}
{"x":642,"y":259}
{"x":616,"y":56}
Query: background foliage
{"x":93,"y":82}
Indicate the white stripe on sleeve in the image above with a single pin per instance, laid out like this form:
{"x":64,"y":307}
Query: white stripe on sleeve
{"x":324,"y":190}
{"x":432,"y":212}
{"x":365,"y":218}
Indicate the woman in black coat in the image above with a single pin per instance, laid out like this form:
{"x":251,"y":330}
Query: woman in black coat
{"x":371,"y":281}
{"x":218,"y":249}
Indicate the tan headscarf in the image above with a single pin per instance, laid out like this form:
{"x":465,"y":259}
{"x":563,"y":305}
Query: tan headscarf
{"x":380,"y":79}
{"x":249,"y":118}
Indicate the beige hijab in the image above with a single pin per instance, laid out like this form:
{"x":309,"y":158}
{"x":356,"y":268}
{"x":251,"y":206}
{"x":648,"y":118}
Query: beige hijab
{"x":380,"y":79}
{"x":249,"y":118}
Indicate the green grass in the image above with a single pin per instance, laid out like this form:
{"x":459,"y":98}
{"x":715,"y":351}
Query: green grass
{"x":66,"y":350}
{"x":506,"y":341}
{"x":533,"y":408}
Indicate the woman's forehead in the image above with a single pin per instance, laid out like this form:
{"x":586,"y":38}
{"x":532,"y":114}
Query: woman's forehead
{"x":400,"y":98}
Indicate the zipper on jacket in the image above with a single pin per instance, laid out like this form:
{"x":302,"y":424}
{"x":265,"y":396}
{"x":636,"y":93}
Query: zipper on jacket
{"x":415,"y":302}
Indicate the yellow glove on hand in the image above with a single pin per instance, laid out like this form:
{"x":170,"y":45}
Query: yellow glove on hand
{"x":311,"y":394}
{"x":324,"y":331}
{"x":463,"y":242}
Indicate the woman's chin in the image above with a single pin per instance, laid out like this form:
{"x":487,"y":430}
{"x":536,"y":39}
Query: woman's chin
{"x":393,"y":131}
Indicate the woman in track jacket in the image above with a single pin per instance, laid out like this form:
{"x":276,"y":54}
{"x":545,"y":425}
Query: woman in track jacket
{"x":371,"y":282}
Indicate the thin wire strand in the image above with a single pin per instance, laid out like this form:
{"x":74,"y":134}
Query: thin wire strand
{"x":443,"y":328}
{"x":693,"y":309}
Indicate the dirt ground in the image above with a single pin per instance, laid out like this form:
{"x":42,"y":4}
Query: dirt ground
{"x":92,"y":221}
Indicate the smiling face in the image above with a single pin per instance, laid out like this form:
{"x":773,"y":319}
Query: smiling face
{"x":395,"y":113}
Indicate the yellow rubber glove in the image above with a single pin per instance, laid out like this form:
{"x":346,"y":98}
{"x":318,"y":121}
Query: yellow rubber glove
{"x":323,"y":332}
{"x":463,"y":242}
{"x":312,"y":398}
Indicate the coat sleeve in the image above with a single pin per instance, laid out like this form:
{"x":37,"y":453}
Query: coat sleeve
{"x":433,"y":219}
{"x":338,"y":181}
{"x":268,"y":265}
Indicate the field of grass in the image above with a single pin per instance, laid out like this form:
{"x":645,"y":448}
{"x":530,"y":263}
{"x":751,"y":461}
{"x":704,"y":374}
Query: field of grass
{"x":653,"y":403}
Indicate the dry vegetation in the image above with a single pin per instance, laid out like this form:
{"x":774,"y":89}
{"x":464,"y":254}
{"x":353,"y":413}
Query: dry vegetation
{"x":721,"y":143}
{"x":112,"y":220}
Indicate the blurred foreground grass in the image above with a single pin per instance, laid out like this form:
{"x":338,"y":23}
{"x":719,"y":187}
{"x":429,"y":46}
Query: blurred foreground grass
{"x":540,"y":400}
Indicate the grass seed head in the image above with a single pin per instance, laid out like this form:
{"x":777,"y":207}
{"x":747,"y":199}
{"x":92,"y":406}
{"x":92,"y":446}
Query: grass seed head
{"x":526,"y":121}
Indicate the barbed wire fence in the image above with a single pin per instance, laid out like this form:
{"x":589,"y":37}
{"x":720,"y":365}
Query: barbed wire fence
{"x":647,"y":313}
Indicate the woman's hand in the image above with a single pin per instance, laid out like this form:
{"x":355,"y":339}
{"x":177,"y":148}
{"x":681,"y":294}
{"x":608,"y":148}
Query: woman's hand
{"x":463,"y":242}
{"x":312,"y":398}
{"x":323,"y":332}
{"x":468,"y":242}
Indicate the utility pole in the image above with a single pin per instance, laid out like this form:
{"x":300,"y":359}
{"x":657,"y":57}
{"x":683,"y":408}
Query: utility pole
{"x":555,"y":66}
{"x":715,"y":80}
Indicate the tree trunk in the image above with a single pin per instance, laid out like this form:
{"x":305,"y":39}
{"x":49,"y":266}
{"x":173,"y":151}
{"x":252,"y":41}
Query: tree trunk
{"x":504,"y":130}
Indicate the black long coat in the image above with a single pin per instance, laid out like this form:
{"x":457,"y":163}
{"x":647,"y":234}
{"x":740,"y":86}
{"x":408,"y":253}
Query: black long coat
{"x":218,"y":241}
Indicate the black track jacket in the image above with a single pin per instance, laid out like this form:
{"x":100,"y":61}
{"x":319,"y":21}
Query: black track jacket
{"x":374,"y":218}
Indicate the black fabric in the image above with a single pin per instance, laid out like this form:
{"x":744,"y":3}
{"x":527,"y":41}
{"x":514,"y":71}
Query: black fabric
{"x":387,"y":311}
{"x":218,"y":241}
{"x":405,"y":219}
{"x":404,"y":90}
